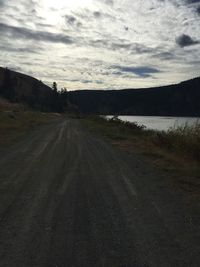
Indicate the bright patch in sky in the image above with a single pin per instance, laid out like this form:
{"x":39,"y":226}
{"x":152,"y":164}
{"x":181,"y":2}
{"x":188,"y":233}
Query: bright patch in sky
{"x":108,"y":44}
{"x":51,"y":10}
{"x":71,"y":4}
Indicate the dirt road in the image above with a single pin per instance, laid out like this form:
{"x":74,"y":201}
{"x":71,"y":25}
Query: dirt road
{"x":68,"y":198}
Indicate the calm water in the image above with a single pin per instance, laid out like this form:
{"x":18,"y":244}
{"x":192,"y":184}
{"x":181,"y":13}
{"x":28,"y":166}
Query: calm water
{"x":159,"y":123}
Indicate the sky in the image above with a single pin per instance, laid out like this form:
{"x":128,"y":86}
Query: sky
{"x":102,"y":44}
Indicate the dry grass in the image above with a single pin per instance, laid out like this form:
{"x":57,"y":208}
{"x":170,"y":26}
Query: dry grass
{"x":14,"y":124}
{"x":16,"y":120}
{"x":184,"y":140}
{"x":5,"y":105}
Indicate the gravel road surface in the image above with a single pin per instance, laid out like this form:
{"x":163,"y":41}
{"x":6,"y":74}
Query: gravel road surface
{"x":70,"y":199}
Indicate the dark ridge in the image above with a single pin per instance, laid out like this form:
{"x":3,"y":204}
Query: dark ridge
{"x":174,"y":100}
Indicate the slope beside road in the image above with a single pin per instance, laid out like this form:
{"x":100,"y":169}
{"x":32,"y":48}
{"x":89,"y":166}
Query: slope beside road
{"x":67,"y":198}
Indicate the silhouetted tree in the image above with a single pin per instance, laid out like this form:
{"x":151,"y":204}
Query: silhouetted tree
{"x":55,"y":99}
{"x":54,"y":87}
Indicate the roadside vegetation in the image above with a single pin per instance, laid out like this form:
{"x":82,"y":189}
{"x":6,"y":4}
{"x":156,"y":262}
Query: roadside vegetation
{"x":177,"y":150}
{"x":182,"y":141}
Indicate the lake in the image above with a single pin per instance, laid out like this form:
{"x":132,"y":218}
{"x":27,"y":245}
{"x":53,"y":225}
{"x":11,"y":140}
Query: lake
{"x":159,"y":123}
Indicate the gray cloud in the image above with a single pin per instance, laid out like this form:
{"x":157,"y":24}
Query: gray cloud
{"x":97,"y":14}
{"x":2,"y":2}
{"x":86,"y":81}
{"x":20,"y":50}
{"x":185,"y":40}
{"x":88,"y":16}
{"x":192,"y":1}
{"x":91,"y":81}
{"x":43,"y":25}
{"x":24,"y":33}
{"x":164,"y":55}
{"x":143,"y":71}
{"x":118,"y":44}
{"x":107,"y":2}
{"x":72,"y":21}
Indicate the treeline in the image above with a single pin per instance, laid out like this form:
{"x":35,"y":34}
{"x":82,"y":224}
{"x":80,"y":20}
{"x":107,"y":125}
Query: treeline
{"x":20,"y":88}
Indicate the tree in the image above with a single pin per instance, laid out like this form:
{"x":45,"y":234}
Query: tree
{"x":54,"y":87}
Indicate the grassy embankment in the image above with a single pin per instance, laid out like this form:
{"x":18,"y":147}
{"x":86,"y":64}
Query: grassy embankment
{"x":176,"y":151}
{"x":17,"y":120}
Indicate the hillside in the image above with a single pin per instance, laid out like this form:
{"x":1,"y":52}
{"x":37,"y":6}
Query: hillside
{"x":173,"y":100}
{"x":21,"y":88}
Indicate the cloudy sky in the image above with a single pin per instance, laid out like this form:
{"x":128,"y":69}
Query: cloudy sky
{"x":102,"y":43}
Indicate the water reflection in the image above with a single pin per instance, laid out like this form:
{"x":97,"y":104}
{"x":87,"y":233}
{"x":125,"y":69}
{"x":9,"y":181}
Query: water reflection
{"x":159,"y":123}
